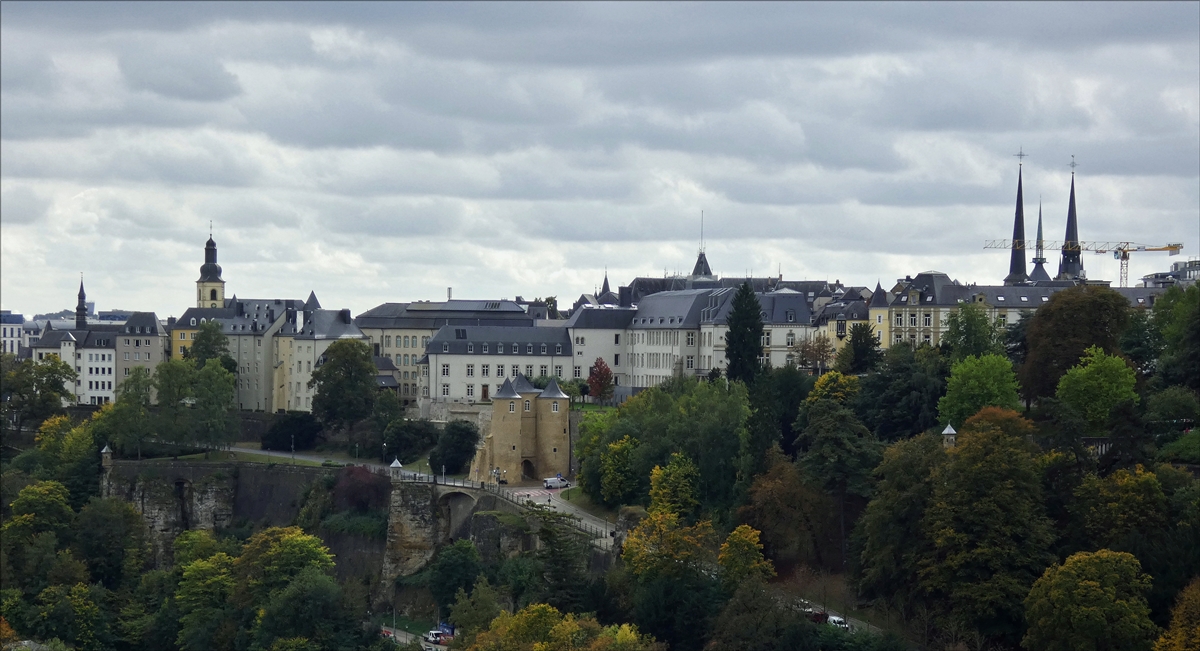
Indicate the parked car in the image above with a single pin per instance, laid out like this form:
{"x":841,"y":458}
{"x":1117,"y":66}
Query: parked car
{"x":555,"y":482}
{"x":839,"y":622}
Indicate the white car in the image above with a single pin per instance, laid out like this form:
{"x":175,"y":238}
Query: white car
{"x":555,"y":482}
{"x":839,"y":622}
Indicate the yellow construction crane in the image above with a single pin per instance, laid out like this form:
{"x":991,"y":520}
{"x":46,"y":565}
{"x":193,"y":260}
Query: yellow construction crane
{"x":1120,"y":250}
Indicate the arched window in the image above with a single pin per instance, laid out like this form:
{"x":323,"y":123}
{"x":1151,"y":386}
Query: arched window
{"x":554,"y":407}
{"x":512,"y":407}
{"x":212,"y":294}
{"x":526,"y":405}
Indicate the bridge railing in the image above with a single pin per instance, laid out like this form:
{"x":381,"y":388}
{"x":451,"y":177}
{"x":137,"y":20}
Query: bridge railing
{"x":509,"y":495}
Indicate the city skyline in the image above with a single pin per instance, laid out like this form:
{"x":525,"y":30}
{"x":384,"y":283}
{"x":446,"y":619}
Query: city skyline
{"x":376,"y":153}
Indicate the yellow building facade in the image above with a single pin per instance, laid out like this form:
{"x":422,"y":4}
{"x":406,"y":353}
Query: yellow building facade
{"x":529,"y":437}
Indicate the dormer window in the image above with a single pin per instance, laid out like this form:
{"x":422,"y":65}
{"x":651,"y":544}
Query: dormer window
{"x":543,"y":349}
{"x":528,"y":349}
{"x":470,"y":348}
{"x":1000,"y":299}
{"x":193,"y":320}
{"x":485,"y":349}
{"x":445,"y":347}
{"x":499,"y":349}
{"x":557,"y":349}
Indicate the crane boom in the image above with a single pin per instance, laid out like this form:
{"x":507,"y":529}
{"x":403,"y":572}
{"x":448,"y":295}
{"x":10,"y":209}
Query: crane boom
{"x":1120,"y":250}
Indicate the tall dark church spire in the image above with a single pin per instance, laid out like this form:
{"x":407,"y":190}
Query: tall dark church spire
{"x":605,"y":289}
{"x":1070,"y":267}
{"x":1016,"y":264}
{"x":81,"y":310}
{"x":1039,"y":258}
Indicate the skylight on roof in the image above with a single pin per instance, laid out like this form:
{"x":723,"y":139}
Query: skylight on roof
{"x":928,"y":299}
{"x":1045,"y":298}
{"x":999,"y":298}
{"x":1024,"y":299}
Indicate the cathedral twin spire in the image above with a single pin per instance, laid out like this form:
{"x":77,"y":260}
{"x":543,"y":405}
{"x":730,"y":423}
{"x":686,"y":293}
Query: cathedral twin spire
{"x":1070,"y":267}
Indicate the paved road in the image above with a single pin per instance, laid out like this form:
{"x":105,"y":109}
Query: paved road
{"x":550,"y":497}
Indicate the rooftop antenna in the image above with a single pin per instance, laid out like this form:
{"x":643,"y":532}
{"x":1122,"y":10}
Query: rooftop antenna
{"x":1020,"y":156}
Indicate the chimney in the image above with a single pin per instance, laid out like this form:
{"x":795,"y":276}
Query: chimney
{"x":625,"y":296}
{"x":345,"y":315}
{"x":449,"y":293}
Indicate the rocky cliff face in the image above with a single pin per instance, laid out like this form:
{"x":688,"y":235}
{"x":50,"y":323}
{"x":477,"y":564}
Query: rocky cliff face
{"x":412,"y":535}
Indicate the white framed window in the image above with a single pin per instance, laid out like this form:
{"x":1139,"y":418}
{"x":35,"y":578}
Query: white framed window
{"x":425,"y":392}
{"x":445,"y":370}
{"x":526,"y":405}
{"x":485,"y":349}
{"x":899,"y":320}
{"x":445,"y":389}
{"x":126,"y":356}
{"x":558,"y":370}
{"x":554,"y":406}
{"x":470,"y":390}
{"x":528,"y":349}
{"x":529,"y":370}
{"x":512,"y":407}
{"x":445,"y":347}
{"x":470,"y":347}
{"x":928,"y":319}
{"x":545,"y":370}
{"x":691,"y":338}
{"x":578,"y":372}
{"x":485,"y":370}
{"x":543,"y":349}
{"x":470,"y":370}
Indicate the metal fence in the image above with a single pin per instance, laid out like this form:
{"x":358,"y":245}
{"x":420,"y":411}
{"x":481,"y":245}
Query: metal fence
{"x":597,"y":535}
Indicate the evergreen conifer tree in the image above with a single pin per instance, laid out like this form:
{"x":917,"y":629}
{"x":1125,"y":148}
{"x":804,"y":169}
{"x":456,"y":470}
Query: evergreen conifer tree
{"x":743,"y":343}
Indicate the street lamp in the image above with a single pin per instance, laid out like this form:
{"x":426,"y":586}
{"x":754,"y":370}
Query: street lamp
{"x":293,"y":449}
{"x":385,"y":452}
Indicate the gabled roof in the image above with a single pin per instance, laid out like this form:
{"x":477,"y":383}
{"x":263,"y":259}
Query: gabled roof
{"x":600,"y":318}
{"x":470,"y":340}
{"x":879,"y":298}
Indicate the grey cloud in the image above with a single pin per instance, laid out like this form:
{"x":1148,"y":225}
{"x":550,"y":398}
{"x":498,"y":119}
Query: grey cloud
{"x":21,"y":204}
{"x":172,"y":70}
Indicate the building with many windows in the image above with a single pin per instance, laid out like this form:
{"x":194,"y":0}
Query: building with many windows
{"x":12,"y":332}
{"x":299,"y":348}
{"x":401,"y":331}
{"x":471,"y":363}
{"x":529,"y":434}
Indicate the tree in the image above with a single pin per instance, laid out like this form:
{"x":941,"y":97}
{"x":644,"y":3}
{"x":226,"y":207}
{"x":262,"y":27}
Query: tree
{"x":743,"y":342}
{"x":41,"y":507}
{"x":73,"y":614}
{"x":407,"y":440}
{"x":473,"y":613}
{"x":386,"y":411}
{"x":864,"y":348}
{"x":816,"y":353}
{"x":206,"y":616}
{"x":617,"y":483}
{"x":455,"y":447}
{"x":1142,"y":341}
{"x":673,"y":489}
{"x":970,"y":333}
{"x":215,"y":391}
{"x":1092,"y":601}
{"x":975,"y":383}
{"x":115,"y":544}
{"x":34,"y":390}
{"x":345,"y":383}
{"x":541,"y":626}
{"x":900,"y":398}
{"x":1064,"y":327}
{"x":211,"y":343}
{"x":174,"y":383}
{"x":294,"y":427}
{"x":272,"y":558}
{"x":310,"y":607}
{"x":454,"y":569}
{"x":600,"y":380}
{"x":131,"y":414}
{"x":563,"y":554}
{"x":1184,"y":632}
{"x":840,"y":453}
{"x":741,"y":559}
{"x":891,"y":541}
{"x":834,"y":386}
{"x":1177,"y":315}
{"x":990,"y":536}
{"x":781,"y":506}
{"x":1096,"y":384}
{"x":1124,"y":502}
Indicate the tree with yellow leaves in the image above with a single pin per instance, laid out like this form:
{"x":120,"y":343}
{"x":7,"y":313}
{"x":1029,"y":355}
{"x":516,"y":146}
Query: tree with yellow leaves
{"x":1184,"y":632}
{"x":741,"y":558}
{"x":541,"y":627}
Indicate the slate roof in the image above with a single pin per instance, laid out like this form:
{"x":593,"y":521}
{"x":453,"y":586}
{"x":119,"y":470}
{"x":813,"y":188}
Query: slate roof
{"x":879,"y":298}
{"x":506,"y":391}
{"x":675,"y":309}
{"x":427,"y":315}
{"x":776,"y":307}
{"x":552,"y":390}
{"x":241,"y":316}
{"x":383,"y":364}
{"x":601,"y":318}
{"x":458,"y":338}
{"x":328,"y":324}
{"x":841,"y":310}
{"x":94,"y":336}
{"x":142,"y":323}
{"x":521,"y":385}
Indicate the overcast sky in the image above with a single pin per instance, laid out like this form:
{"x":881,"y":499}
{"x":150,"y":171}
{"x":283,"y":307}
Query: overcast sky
{"x":383,"y":152}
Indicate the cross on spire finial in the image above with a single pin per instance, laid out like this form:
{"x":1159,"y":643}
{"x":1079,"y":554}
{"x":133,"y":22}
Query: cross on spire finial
{"x":1073,"y":163}
{"x":210,"y":229}
{"x":1020,"y":155}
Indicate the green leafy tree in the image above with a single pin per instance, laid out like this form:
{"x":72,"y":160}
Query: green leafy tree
{"x":617,"y":482}
{"x":310,"y":607}
{"x":892,"y":543}
{"x":1059,"y":332}
{"x":563,"y":556}
{"x":900,"y":399}
{"x":743,"y":342}
{"x":131,"y":423}
{"x":272,"y":558}
{"x":1172,"y":409}
{"x":345,"y":384}
{"x":970,"y":333}
{"x":1092,"y":601}
{"x":1184,"y":631}
{"x":600,"y":380}
{"x":1142,"y":341}
{"x":455,"y":568}
{"x":840,"y":453}
{"x":989,"y":532}
{"x":114,"y":546}
{"x":455,"y":447}
{"x":73,"y":614}
{"x":1180,"y":326}
{"x":783,"y":507}
{"x":386,"y":411}
{"x":41,"y":507}
{"x":214,"y":423}
{"x":298,"y":428}
{"x":475,"y":612}
{"x":975,"y":383}
{"x":211,"y":343}
{"x":34,"y":390}
{"x":673,"y":489}
{"x":1098,"y":383}
{"x":1123,"y":503}
{"x":175,"y":386}
{"x":206,"y":616}
{"x":407,"y":440}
